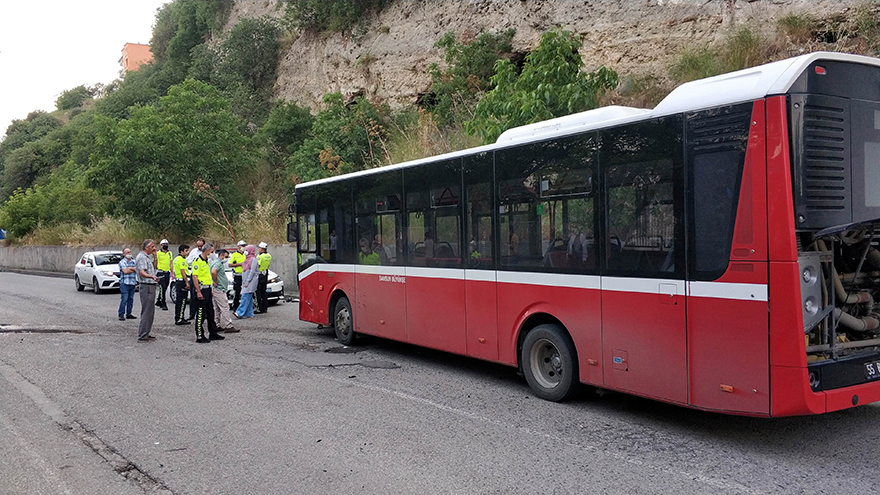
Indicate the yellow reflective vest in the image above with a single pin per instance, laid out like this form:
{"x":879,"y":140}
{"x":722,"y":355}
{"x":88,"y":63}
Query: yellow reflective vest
{"x":265,"y":259}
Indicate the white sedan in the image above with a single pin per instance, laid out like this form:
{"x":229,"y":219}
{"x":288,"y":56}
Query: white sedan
{"x":98,"y":270}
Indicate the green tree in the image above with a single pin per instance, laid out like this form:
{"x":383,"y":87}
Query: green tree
{"x":342,"y":139}
{"x":285,"y":129}
{"x":73,"y":98}
{"x":551,"y":85}
{"x":468,"y":72}
{"x":150,"y":162}
{"x":20,"y":132}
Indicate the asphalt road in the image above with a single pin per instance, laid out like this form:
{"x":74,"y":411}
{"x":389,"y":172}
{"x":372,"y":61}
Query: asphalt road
{"x":282,"y":408}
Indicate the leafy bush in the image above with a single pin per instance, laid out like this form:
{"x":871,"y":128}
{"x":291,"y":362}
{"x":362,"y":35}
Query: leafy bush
{"x":551,"y":85}
{"x":797,"y":26}
{"x":342,"y":139}
{"x":340,"y":16}
{"x":64,"y":198}
{"x":150,"y":162}
{"x":468,"y":72}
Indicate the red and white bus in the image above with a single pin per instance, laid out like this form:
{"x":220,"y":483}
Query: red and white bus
{"x":716,"y":252}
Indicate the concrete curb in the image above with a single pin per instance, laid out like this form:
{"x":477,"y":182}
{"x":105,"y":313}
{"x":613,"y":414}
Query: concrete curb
{"x":40,"y":273}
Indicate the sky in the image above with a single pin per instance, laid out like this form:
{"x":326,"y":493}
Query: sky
{"x":48,"y":46}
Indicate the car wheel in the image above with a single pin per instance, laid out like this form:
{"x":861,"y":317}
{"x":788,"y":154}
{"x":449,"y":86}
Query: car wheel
{"x":95,"y":286}
{"x":273,"y":302}
{"x":549,"y":363}
{"x":343,"y":322}
{"x":79,"y":286}
{"x":172,"y":294}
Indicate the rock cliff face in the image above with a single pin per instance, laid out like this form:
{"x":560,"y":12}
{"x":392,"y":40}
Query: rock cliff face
{"x":389,"y":62}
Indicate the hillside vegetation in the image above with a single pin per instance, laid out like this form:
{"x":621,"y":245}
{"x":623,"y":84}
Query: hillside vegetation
{"x":196,"y":143}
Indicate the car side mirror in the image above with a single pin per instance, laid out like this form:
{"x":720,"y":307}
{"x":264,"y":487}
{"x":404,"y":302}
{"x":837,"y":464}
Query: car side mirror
{"x":291,"y":231}
{"x":90,"y":263}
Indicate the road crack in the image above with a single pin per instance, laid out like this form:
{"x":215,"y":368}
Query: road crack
{"x":123,"y":466}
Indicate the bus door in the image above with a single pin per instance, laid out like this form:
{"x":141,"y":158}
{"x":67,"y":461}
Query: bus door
{"x":481,"y":295}
{"x":644,"y":326}
{"x":435,"y":286}
{"x":380,"y":279}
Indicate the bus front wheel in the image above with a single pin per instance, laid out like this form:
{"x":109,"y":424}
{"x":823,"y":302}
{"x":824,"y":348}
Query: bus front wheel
{"x":343,"y":322}
{"x":549,"y":363}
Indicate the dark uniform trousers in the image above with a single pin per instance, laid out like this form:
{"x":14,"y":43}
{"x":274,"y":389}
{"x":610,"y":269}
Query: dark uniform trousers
{"x":236,"y":286}
{"x":205,"y":313}
{"x":192,"y":298}
{"x":262,"y":299}
{"x":180,"y":305}
{"x":164,"y":278}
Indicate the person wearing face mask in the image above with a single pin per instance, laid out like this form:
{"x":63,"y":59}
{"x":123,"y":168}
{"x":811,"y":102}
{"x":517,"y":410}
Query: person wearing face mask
{"x":163,"y":267}
{"x":127,"y":283}
{"x":249,"y":280}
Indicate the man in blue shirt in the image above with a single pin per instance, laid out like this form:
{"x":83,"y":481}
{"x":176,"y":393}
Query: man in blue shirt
{"x":127,"y":282}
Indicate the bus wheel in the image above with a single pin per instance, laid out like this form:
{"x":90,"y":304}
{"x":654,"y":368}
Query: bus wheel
{"x":343,"y":322}
{"x":549,"y":363}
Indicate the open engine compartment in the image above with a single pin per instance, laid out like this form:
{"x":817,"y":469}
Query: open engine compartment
{"x":840,"y":292}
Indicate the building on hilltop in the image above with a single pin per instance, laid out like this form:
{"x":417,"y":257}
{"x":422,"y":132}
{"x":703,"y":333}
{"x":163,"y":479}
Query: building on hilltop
{"x":134,"y":55}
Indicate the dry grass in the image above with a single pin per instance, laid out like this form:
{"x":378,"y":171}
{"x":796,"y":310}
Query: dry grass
{"x":421,"y":137}
{"x":102,"y":231}
{"x":265,"y":221}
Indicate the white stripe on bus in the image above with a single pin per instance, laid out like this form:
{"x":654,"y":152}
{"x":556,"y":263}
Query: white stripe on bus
{"x":723,"y":290}
{"x":716,"y":290}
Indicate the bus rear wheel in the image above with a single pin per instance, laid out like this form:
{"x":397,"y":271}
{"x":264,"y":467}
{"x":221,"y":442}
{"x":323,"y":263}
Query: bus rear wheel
{"x":343,"y":322}
{"x":549,"y":363}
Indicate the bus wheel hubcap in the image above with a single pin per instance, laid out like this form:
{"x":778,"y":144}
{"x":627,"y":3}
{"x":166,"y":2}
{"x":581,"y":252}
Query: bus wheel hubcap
{"x":546,"y":363}
{"x":343,"y":321}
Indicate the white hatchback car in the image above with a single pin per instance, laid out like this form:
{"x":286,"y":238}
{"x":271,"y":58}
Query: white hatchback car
{"x":98,"y":270}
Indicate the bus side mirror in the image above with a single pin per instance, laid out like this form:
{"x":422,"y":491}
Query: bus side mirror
{"x":291,"y":231}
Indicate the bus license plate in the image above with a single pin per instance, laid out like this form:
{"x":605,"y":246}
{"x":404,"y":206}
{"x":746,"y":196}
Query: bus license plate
{"x":872,"y":370}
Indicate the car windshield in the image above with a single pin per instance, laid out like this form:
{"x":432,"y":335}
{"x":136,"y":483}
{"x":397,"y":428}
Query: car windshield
{"x":108,"y":259}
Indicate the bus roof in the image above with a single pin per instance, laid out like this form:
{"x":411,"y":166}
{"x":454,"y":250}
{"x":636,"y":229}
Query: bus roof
{"x":745,"y":85}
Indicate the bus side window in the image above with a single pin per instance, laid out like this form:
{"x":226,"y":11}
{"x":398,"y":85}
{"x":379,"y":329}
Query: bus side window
{"x":433,"y":211}
{"x":378,"y":219}
{"x":644,"y":200}
{"x":546,"y":205}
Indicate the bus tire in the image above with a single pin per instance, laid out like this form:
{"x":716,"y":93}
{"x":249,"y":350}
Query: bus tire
{"x":549,"y":363}
{"x":343,"y":322}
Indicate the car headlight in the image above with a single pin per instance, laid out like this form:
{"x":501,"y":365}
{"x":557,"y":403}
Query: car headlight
{"x":108,"y":274}
{"x":274,"y":280}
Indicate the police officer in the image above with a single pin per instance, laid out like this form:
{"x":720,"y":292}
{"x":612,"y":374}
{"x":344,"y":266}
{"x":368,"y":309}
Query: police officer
{"x":181,"y":284}
{"x":236,"y":260}
{"x":193,"y":255}
{"x":264,"y":259}
{"x":163,"y":267}
{"x":202,"y":280}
